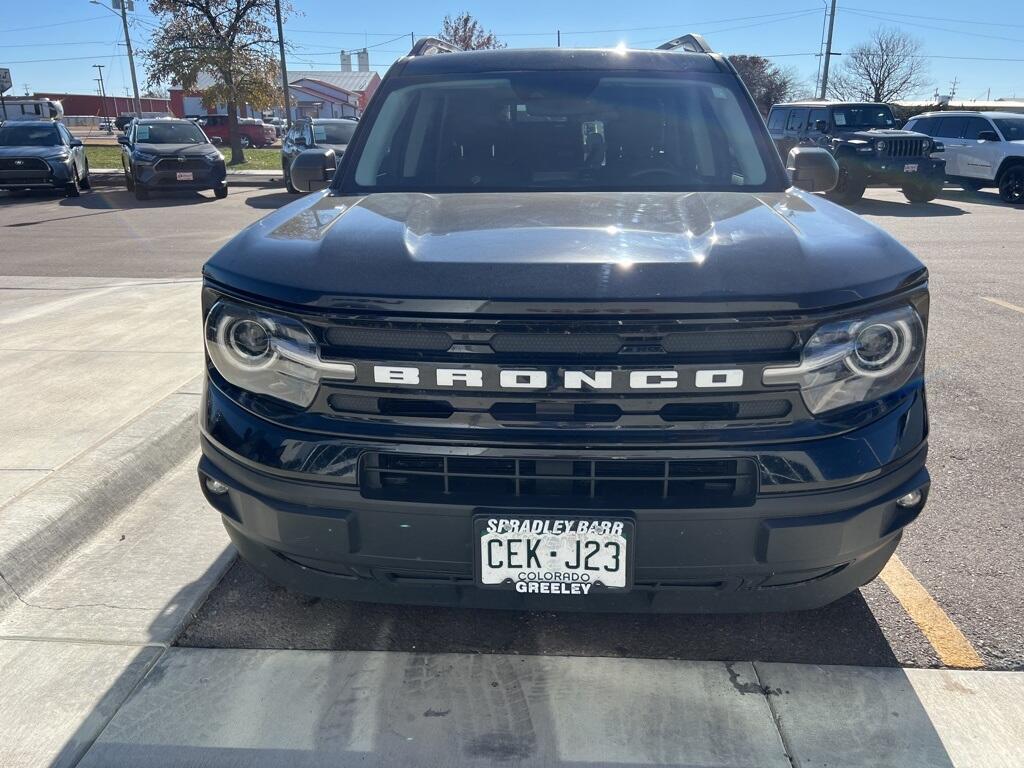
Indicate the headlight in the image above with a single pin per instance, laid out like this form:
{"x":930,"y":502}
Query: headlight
{"x":144,"y":157}
{"x":925,"y":145}
{"x":880,"y":145}
{"x":214,"y":156}
{"x":856,"y":361}
{"x":268,"y":354}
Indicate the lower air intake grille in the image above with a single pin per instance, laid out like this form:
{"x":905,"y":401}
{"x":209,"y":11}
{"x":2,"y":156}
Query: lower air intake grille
{"x":628,"y":483}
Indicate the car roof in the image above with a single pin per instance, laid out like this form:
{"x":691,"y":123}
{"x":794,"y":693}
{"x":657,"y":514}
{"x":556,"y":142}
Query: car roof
{"x":331,"y":119}
{"x":831,"y":103}
{"x":967,"y":113}
{"x":162,"y":120}
{"x":539,"y":59}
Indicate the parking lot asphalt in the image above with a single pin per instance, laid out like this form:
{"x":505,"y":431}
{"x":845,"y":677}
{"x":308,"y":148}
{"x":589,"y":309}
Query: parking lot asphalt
{"x":964,"y":551}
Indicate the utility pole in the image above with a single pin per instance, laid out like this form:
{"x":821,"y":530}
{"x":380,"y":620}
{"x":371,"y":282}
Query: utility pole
{"x":103,"y":92}
{"x":559,"y":32}
{"x":131,"y":56}
{"x":284,"y":67}
{"x":828,"y":50}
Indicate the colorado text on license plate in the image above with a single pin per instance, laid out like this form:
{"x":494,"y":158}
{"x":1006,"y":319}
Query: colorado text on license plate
{"x":553,"y":556}
{"x":910,"y":168}
{"x":184,"y":176}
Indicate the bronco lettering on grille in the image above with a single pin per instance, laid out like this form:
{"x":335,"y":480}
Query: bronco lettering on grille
{"x":570,"y":379}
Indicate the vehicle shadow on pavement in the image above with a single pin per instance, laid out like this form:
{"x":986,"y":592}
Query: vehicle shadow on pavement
{"x":877,"y":207}
{"x":247,"y":611}
{"x":430,"y":707}
{"x":271,"y":201}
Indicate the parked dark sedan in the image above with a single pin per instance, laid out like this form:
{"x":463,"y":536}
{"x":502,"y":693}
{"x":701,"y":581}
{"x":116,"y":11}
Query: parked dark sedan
{"x":165,"y":154}
{"x":41,"y":154}
{"x":309,"y":133}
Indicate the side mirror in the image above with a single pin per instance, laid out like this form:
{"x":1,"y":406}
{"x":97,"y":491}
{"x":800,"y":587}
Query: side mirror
{"x":217,"y":140}
{"x":812,"y":169}
{"x":988,"y":136}
{"x":76,"y":143}
{"x":313,"y":169}
{"x":123,"y":140}
{"x":300,"y":141}
{"x":821,"y":125}
{"x":899,"y":123}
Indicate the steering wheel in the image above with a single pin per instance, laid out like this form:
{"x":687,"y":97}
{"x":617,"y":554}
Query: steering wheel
{"x":654,"y":172}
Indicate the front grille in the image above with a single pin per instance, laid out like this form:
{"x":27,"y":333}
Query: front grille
{"x":898,"y":148}
{"x":172,"y":165}
{"x":561,"y":340}
{"x":26,"y":164}
{"x":541,"y":482}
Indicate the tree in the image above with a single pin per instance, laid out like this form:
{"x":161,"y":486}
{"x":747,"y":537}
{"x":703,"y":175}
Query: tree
{"x":768,"y":83}
{"x":231,"y":40}
{"x":467,"y":33}
{"x":887,"y":68}
{"x":155,"y":92}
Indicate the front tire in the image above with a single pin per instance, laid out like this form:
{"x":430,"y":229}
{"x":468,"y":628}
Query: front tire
{"x":141,"y":193}
{"x":72,"y":189}
{"x":1011,"y":185}
{"x":85,"y":182}
{"x":220,"y":192}
{"x":972,"y":186}
{"x":922,"y":192}
{"x":288,"y":181}
{"x":849,"y":188}
{"x":246,"y":142}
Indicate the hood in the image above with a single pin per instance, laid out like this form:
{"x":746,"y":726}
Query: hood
{"x":873,"y":134}
{"x":47,"y":153}
{"x":742,"y":251}
{"x":174,"y":150}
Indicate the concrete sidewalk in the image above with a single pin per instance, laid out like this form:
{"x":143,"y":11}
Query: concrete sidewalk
{"x":108,"y":176}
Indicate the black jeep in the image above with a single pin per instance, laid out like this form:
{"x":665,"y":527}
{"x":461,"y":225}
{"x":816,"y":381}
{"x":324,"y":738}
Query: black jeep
{"x":868,"y":144}
{"x":562,"y":332}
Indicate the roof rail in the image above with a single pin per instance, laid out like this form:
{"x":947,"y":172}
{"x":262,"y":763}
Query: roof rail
{"x":690,"y":43}
{"x":428,"y":46}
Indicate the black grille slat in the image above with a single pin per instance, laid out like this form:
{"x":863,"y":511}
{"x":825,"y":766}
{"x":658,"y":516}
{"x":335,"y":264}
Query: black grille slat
{"x":550,"y":482}
{"x":387,"y":338}
{"x":557,"y":343}
{"x":23,"y":164}
{"x":900,"y":148}
{"x":173,"y":165}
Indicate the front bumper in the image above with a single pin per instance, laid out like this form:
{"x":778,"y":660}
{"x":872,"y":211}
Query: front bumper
{"x":165,"y":178}
{"x":888,"y":170}
{"x":55,"y":177}
{"x":825,"y":520}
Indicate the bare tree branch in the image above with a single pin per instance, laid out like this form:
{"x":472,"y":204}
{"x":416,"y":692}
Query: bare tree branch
{"x":887,"y":68}
{"x":467,"y":33}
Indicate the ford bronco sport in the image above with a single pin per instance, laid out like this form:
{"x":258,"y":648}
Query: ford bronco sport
{"x":562,"y":333}
{"x":868,"y":145}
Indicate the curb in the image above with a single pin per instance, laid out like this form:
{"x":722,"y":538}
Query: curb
{"x":46,"y":524}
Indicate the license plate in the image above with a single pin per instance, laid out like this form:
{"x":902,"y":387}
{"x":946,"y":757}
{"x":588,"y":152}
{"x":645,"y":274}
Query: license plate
{"x":554,"y":556}
{"x":910,"y":168}
{"x":184,"y":175}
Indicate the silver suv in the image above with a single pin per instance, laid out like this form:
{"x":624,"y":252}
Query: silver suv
{"x":983,"y":149}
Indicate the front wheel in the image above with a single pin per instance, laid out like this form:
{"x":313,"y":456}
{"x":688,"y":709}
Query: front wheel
{"x":141,"y":193}
{"x":972,"y":186}
{"x":1011,"y":185}
{"x":72,"y":189}
{"x":85,"y":183}
{"x":288,"y":182}
{"x":849,"y":187}
{"x":246,"y":142}
{"x":221,"y":192}
{"x":922,"y":192}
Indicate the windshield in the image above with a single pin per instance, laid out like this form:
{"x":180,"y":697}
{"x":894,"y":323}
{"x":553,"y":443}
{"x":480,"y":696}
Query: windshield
{"x":1012,"y":128}
{"x":558,"y":130}
{"x":864,"y":116}
{"x":333,"y":133}
{"x":29,"y":135}
{"x":169,"y":133}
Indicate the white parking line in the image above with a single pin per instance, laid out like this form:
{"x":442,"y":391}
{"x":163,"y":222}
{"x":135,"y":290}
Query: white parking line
{"x":1002,"y":303}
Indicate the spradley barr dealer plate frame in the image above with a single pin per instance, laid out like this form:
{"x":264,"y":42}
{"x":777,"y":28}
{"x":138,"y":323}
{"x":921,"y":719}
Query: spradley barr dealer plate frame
{"x":551,"y":539}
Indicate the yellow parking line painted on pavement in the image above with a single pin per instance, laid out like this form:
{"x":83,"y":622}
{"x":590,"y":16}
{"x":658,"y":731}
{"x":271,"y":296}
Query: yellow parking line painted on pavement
{"x":953,"y":648}
{"x":1002,"y":303}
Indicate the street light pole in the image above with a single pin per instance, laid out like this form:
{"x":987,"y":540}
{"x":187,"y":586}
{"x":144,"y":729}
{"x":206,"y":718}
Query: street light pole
{"x":284,"y":67}
{"x":131,"y":57}
{"x":103,"y":92}
{"x":828,"y":49}
{"x":127,"y":44}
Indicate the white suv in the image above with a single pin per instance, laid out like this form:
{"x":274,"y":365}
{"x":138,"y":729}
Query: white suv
{"x":983,"y":149}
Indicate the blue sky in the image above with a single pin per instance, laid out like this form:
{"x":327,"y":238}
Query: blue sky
{"x":50,"y":45}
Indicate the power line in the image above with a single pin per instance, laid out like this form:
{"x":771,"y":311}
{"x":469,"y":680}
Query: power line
{"x":55,"y":24}
{"x":932,"y":18}
{"x":940,"y":29}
